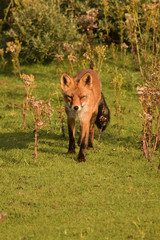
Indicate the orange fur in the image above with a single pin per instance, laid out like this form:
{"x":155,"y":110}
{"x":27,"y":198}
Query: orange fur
{"x":82,"y":95}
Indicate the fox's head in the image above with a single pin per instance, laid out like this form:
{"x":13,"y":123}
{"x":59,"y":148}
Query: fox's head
{"x":76,"y":91}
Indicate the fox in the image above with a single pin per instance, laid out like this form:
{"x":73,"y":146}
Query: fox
{"x":84,"y":101}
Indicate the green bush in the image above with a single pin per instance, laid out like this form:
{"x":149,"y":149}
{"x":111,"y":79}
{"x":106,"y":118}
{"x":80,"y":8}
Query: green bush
{"x":42,"y":29}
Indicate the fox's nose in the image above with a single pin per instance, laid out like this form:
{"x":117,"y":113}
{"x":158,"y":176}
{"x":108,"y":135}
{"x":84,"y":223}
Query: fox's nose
{"x":76,"y":108}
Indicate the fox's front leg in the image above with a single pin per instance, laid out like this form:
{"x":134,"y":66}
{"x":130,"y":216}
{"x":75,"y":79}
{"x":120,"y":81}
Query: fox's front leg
{"x":91,"y":130}
{"x":83,"y":141}
{"x":71,"y":131}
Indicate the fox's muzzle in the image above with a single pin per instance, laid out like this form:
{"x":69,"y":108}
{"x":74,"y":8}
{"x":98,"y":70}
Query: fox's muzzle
{"x":75,"y":108}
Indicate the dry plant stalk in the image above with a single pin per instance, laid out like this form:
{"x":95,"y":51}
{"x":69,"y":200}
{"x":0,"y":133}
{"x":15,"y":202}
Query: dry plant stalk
{"x":149,"y":97}
{"x":42,"y":112}
{"x":59,"y":59}
{"x":114,"y":52}
{"x":29,"y":84}
{"x":144,"y":33}
{"x":72,"y":59}
{"x":119,"y":93}
{"x":61,"y":111}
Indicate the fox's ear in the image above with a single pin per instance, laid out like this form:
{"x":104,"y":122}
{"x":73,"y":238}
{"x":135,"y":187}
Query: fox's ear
{"x":86,"y":80}
{"x":66,"y":82}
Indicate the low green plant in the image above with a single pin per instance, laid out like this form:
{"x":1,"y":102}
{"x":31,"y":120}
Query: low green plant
{"x":114,"y":52}
{"x":3,"y":61}
{"x":100,"y":56}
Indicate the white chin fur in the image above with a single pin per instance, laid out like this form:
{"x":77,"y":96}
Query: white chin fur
{"x":80,"y":113}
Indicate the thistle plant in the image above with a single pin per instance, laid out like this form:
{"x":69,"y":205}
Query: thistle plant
{"x":72,"y":59}
{"x":124,"y":47}
{"x":118,"y":93}
{"x":29,"y":85}
{"x":14,"y":48}
{"x":88,"y":22}
{"x":42,"y":112}
{"x":4,"y":62}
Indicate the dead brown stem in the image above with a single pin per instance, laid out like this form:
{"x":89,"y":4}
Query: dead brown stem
{"x":36,"y":143}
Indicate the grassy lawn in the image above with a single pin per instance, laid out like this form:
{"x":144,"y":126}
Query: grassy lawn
{"x":114,"y":195}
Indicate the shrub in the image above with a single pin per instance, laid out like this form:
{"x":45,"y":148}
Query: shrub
{"x":42,"y":29}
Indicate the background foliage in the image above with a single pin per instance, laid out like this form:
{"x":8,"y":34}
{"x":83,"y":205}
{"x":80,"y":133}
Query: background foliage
{"x":42,"y":26}
{"x":42,"y":29}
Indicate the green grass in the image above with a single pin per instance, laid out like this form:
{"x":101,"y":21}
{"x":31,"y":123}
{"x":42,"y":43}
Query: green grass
{"x":114,"y":195}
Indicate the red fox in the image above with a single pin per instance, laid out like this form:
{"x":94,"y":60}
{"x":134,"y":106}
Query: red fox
{"x":84,"y":101}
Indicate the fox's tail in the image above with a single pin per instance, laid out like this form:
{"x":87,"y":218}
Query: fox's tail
{"x":103,"y":116}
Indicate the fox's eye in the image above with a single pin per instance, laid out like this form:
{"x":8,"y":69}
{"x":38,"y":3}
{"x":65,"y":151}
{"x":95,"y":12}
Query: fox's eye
{"x":83,"y":97}
{"x":69,"y":97}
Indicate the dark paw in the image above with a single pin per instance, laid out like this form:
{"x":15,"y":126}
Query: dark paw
{"x":81,"y":159}
{"x":71,"y":151}
{"x":90,"y":146}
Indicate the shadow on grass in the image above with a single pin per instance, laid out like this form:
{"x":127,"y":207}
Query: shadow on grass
{"x":126,"y":141}
{"x":53,"y":143}
{"x":22,"y":140}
